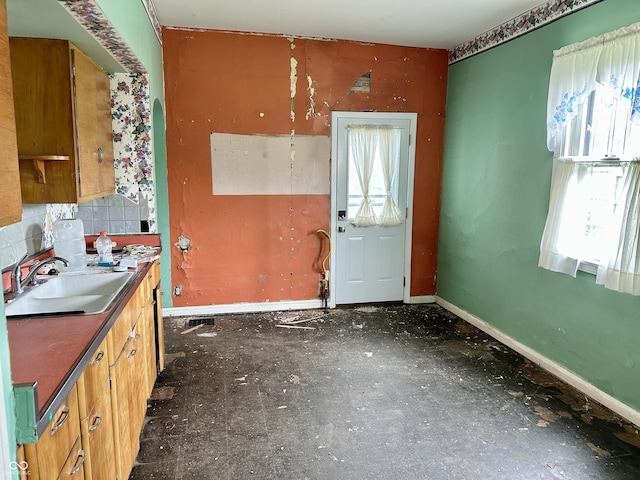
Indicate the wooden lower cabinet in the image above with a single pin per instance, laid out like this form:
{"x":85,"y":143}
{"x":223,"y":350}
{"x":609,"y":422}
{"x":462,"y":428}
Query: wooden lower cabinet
{"x":95,"y":435}
{"x":58,"y":452}
{"x":96,"y":422}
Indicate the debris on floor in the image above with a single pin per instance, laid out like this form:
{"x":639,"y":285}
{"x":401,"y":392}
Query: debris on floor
{"x":391,"y":391}
{"x":299,"y":327}
{"x":162,"y":393}
{"x":189,"y":330}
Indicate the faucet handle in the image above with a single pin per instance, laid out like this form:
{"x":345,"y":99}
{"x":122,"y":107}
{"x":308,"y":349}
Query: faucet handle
{"x":17,"y":270}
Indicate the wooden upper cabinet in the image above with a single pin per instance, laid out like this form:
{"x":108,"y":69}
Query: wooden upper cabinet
{"x":10,"y":199}
{"x":63,"y":122}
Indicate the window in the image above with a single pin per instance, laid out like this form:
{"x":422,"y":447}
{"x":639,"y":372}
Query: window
{"x":602,"y":137}
{"x":593,"y":129}
{"x":373,"y":167}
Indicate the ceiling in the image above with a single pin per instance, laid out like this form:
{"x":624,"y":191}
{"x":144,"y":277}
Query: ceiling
{"x":416,"y":23}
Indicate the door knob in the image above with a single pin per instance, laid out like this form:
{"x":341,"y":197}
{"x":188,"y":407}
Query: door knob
{"x":341,"y":229}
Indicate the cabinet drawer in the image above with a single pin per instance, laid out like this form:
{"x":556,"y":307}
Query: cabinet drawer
{"x":47,"y":457}
{"x":73,"y":468}
{"x":123,"y":328}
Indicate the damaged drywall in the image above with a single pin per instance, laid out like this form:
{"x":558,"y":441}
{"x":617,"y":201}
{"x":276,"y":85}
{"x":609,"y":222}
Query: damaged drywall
{"x":362,"y":84}
{"x":267,"y":165}
{"x":183,"y":243}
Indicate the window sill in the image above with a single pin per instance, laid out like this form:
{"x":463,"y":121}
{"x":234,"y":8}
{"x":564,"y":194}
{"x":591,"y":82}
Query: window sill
{"x":588,"y":267}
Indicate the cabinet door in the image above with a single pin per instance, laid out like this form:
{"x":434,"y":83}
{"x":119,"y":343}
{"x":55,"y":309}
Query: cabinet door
{"x":41,"y":73}
{"x":47,"y":457}
{"x":128,"y":402}
{"x":10,"y":197}
{"x":92,"y":105}
{"x":96,"y":421}
{"x":158,"y":320}
{"x":149,"y":329}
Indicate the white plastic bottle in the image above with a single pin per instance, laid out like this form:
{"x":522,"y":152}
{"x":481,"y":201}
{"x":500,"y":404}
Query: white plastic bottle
{"x":103,"y":247}
{"x":69,"y":243}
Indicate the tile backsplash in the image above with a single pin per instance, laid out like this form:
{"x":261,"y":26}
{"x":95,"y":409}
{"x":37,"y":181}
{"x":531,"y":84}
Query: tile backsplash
{"x":22,"y":237}
{"x":114,"y":214}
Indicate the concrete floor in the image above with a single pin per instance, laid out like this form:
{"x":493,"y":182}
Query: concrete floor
{"x":391,"y":392}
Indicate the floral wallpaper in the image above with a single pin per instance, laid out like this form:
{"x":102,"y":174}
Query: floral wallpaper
{"x":539,"y":16}
{"x":131,"y":119}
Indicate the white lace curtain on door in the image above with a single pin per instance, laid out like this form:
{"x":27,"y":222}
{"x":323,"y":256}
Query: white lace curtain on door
{"x":374,"y":151}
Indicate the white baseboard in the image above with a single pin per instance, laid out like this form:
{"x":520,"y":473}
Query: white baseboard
{"x":422,"y":299}
{"x":241,"y":308}
{"x":613,"y":404}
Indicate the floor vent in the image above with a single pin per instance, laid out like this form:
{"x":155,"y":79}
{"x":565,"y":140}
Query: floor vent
{"x":194,"y":322}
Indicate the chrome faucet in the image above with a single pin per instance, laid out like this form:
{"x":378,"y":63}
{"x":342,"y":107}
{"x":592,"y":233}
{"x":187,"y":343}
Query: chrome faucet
{"x":18,"y":283}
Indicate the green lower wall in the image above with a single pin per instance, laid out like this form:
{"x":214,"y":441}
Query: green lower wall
{"x":495,"y":192}
{"x":7,"y":391}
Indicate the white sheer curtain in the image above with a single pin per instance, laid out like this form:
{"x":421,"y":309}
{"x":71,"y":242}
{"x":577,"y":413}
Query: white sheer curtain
{"x":362,"y":147}
{"x":563,"y":230}
{"x":622,"y":271}
{"x":390,"y":160}
{"x":611,"y":60}
{"x":375,"y":153}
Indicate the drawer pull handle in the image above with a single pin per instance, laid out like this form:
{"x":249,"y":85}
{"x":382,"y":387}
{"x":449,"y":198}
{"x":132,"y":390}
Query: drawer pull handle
{"x":100,"y":155}
{"x":79,"y":463}
{"x":132,"y":353}
{"x":64,"y":416}
{"x":96,"y":422}
{"x":149,"y":277}
{"x":98,"y":358}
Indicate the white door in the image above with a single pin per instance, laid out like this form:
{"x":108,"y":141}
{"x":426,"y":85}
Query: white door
{"x":372,"y":153}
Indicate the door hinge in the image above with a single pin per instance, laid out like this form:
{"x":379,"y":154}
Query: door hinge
{"x":409,"y":139}
{"x":406,"y":212}
{"x":404,"y":281}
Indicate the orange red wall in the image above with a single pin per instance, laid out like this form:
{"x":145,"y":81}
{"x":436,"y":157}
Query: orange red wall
{"x":259,"y":248}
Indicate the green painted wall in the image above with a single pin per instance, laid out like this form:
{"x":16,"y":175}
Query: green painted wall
{"x":496,"y":180}
{"x":7,"y":388}
{"x":132,"y":23}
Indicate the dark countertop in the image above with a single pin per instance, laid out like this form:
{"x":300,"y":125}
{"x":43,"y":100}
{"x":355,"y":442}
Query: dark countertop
{"x":52,"y":352}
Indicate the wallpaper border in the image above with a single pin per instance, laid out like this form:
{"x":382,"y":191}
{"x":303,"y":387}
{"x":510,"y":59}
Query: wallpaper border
{"x":518,"y":26}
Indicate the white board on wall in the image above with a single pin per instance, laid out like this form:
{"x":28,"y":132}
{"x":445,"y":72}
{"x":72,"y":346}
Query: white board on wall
{"x":270,"y":164}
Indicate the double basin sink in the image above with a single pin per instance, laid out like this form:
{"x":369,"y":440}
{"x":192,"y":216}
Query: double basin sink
{"x":69,"y":294}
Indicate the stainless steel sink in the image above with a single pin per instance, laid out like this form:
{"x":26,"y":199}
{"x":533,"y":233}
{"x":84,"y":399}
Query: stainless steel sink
{"x":85,"y":293}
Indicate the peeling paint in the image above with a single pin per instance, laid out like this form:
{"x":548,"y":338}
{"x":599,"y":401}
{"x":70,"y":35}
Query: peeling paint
{"x":183,"y":243}
{"x":292,"y":88}
{"x":311,"y":112}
